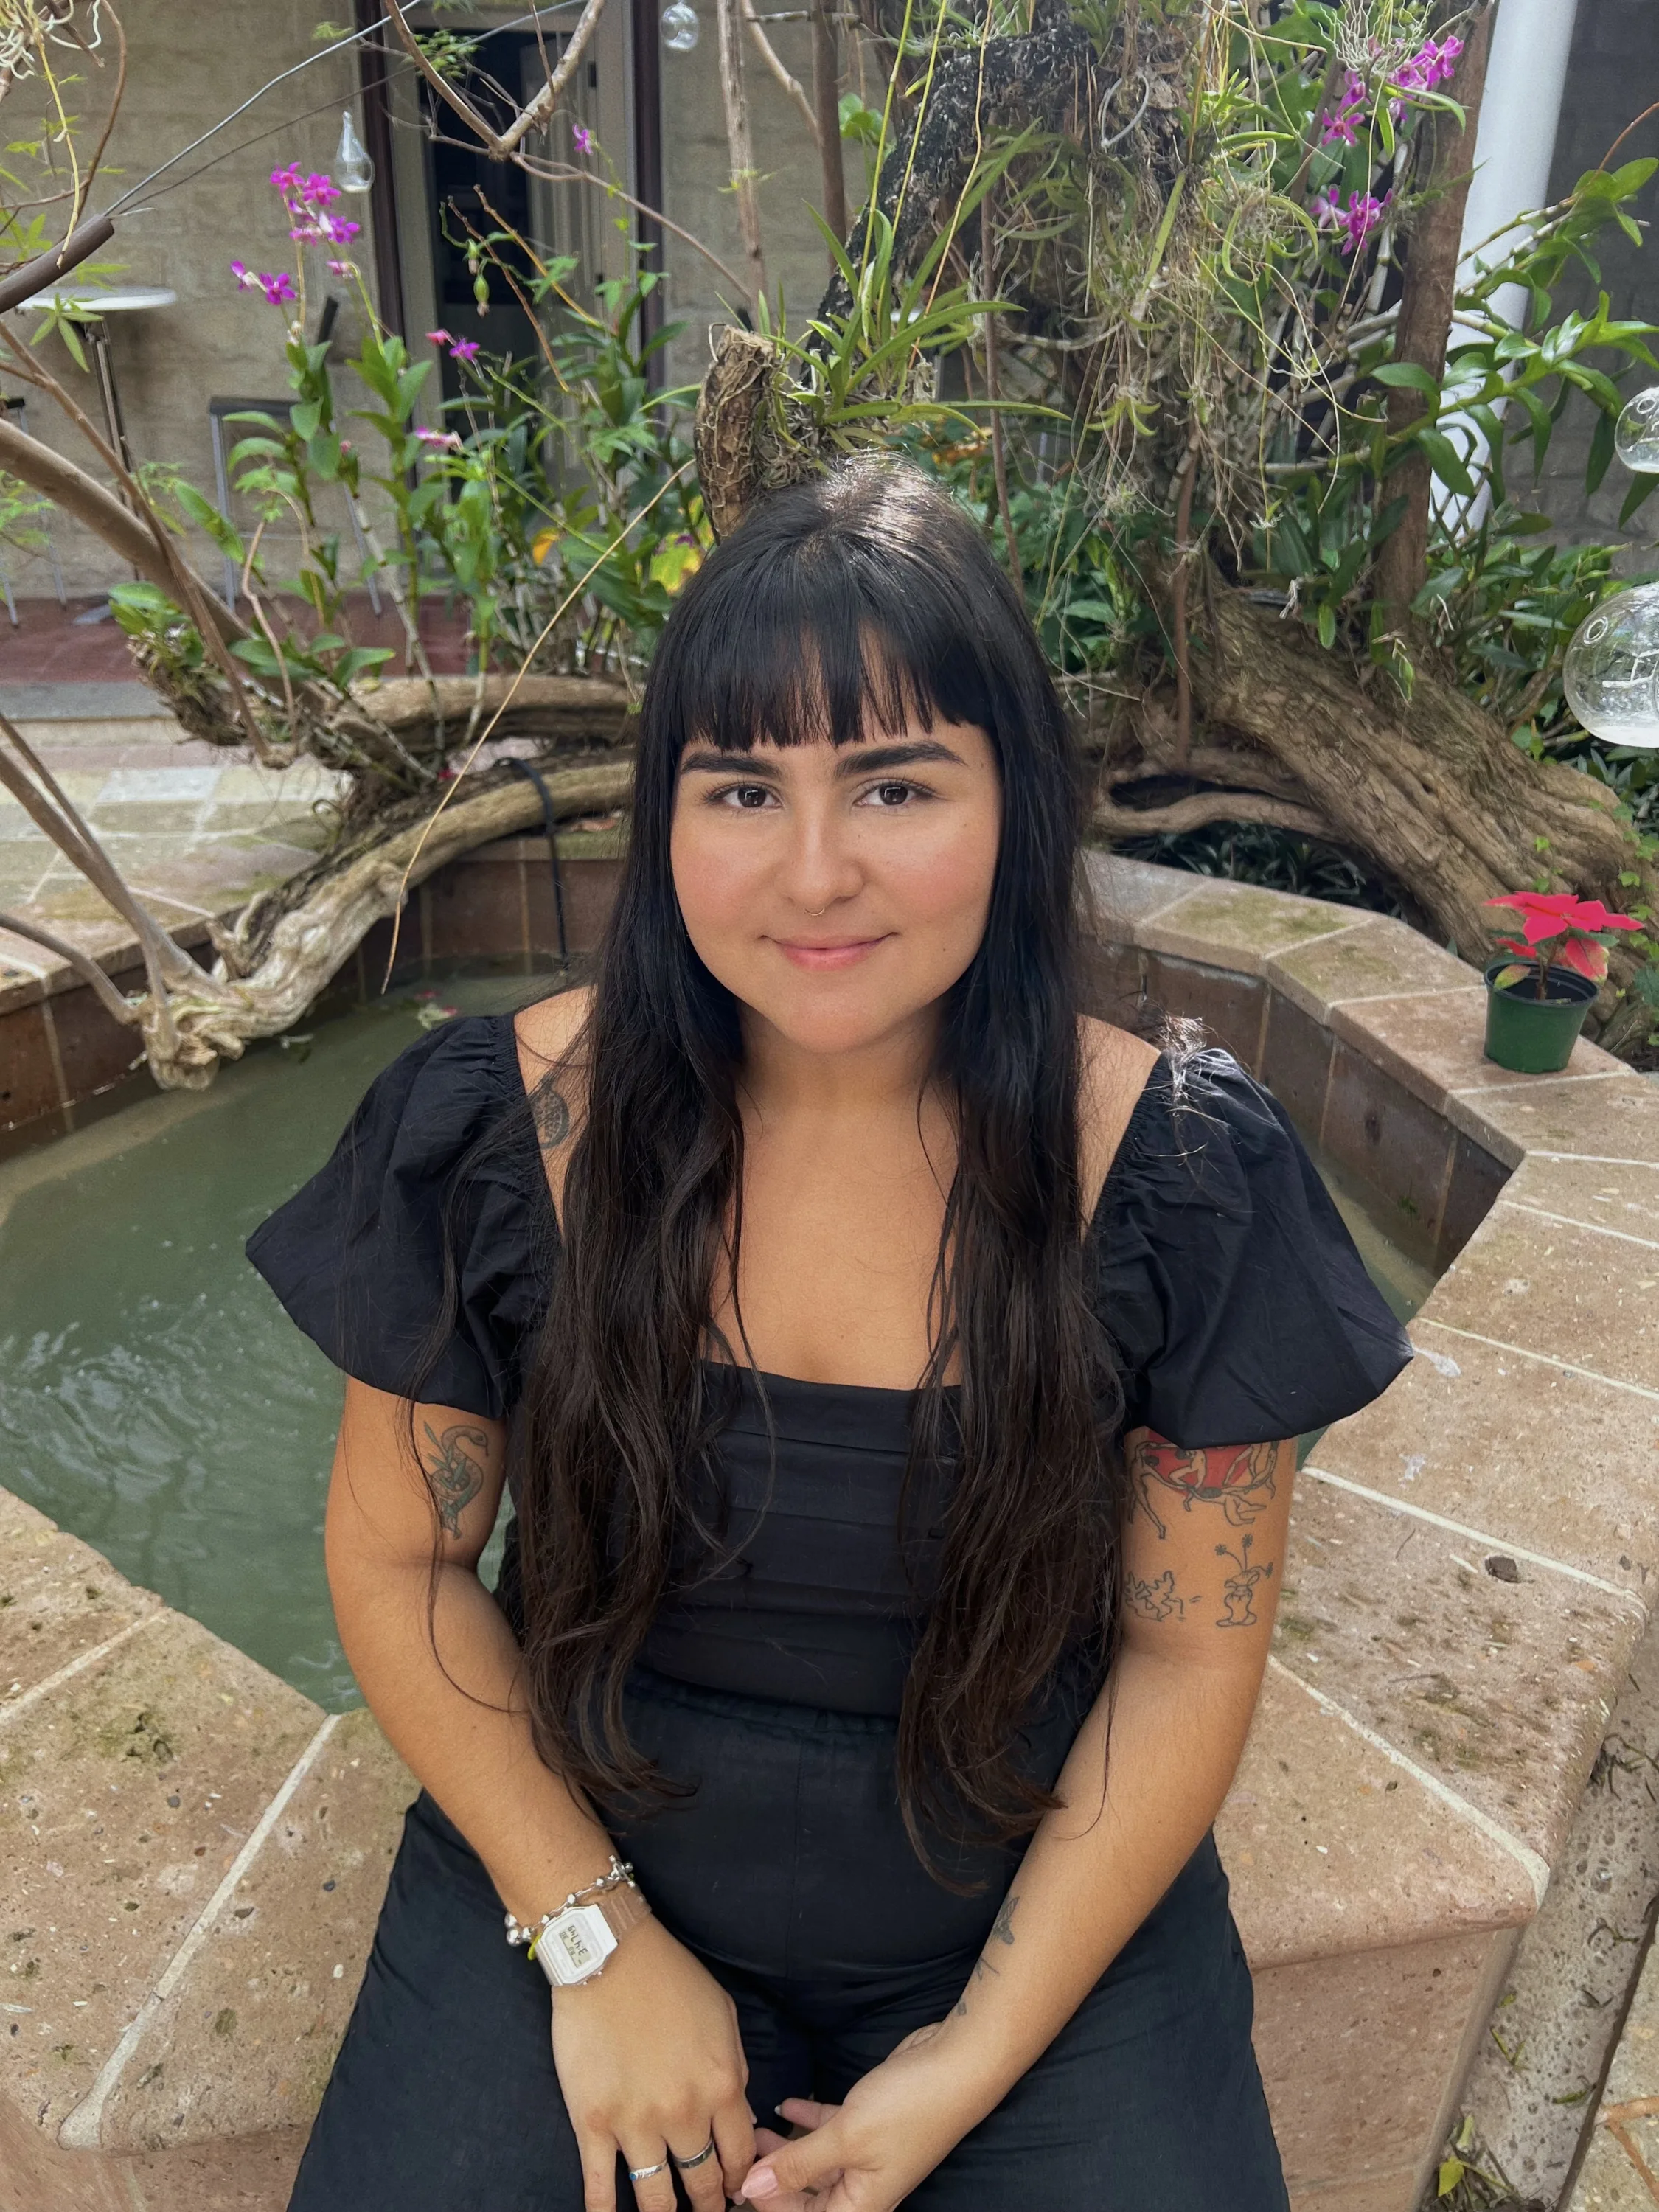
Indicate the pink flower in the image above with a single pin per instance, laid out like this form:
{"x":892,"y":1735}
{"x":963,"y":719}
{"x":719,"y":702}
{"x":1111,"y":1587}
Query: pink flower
{"x":582,"y":138}
{"x":1324,"y":210}
{"x":342,"y":269}
{"x":443,"y":441}
{"x":287,"y":180}
{"x":1340,"y":125}
{"x":318,"y":189}
{"x":464,"y":350}
{"x":439,"y":338}
{"x":1360,"y":218}
{"x":278,"y":289}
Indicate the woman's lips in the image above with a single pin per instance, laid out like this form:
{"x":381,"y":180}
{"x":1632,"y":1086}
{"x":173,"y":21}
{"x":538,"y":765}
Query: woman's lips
{"x":842,"y":952}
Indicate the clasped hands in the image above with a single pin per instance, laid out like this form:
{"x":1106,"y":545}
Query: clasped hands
{"x":652,"y":2065}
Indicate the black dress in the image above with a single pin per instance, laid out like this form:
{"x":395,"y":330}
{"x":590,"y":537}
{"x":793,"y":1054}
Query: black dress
{"x":1241,"y":1312}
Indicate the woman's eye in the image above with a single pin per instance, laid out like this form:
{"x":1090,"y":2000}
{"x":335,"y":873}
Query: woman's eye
{"x":749,"y":796}
{"x":890,"y":795}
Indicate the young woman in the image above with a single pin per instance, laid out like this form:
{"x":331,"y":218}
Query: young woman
{"x":894,"y":1371}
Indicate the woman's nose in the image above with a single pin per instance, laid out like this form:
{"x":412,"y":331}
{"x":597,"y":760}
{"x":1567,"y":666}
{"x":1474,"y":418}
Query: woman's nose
{"x":820,"y":868}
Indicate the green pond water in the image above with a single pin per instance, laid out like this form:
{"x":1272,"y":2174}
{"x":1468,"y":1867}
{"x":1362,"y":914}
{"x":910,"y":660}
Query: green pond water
{"x":157,"y":1402}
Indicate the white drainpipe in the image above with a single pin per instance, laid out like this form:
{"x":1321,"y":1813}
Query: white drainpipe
{"x":1514,"y":146}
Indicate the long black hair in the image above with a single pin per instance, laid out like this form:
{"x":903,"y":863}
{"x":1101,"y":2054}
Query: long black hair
{"x":864,"y":599}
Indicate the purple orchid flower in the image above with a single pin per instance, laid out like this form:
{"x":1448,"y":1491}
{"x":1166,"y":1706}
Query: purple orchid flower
{"x":582,"y":138}
{"x":439,"y":338}
{"x":443,"y":441}
{"x":1338,"y":126}
{"x":464,"y":350}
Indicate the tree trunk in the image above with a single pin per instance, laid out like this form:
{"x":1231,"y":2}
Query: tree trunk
{"x":1431,"y":788}
{"x":1423,"y":328}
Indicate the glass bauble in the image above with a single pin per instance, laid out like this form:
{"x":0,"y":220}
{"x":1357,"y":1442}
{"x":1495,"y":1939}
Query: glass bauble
{"x":1611,"y":672}
{"x":354,"y":172}
{"x":680,"y":28}
{"x":1635,"y":435}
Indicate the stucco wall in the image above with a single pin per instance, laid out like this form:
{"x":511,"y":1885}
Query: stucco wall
{"x":188,"y":65}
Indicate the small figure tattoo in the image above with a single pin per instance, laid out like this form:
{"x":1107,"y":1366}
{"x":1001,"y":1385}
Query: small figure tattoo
{"x":551,"y":1115}
{"x":1002,"y":1931}
{"x":452,"y":1475}
{"x":1238,"y":1592}
{"x":1241,"y":1482}
{"x":1156,"y":1599}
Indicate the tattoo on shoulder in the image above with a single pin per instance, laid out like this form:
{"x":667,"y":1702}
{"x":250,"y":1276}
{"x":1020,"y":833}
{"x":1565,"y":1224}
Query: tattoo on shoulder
{"x":453,"y":1474}
{"x":1240,"y":1482}
{"x":552,"y":1114}
{"x":1002,"y":1931}
{"x":1238,"y":1592}
{"x":1156,"y":1599}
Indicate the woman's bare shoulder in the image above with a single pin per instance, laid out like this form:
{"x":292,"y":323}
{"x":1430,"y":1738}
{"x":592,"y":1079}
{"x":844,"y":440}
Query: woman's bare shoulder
{"x":1114,"y":1066}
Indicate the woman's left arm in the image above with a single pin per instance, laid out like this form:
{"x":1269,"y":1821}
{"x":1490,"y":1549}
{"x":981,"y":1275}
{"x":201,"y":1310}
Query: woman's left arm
{"x":1203,"y":1555}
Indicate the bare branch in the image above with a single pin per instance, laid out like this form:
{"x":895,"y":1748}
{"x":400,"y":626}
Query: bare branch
{"x":84,"y":965}
{"x":740,"y":149}
{"x":1201,"y":807}
{"x":540,"y":109}
{"x":440,"y":84}
{"x":774,"y":60}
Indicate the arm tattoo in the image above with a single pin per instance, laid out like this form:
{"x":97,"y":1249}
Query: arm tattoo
{"x":1002,"y":1931}
{"x":1156,"y":1599}
{"x":452,"y":1476}
{"x":1241,"y":1482}
{"x":551,"y":1114}
{"x":1238,"y":1592}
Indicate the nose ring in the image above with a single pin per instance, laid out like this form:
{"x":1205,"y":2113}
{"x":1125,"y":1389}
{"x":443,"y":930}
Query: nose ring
{"x":815,"y":911}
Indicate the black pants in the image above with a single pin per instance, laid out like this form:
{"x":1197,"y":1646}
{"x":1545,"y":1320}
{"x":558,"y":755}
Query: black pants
{"x":789,"y":1873}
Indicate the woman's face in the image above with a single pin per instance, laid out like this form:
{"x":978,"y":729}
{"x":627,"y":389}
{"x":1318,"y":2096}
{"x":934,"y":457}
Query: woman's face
{"x":838,"y":892}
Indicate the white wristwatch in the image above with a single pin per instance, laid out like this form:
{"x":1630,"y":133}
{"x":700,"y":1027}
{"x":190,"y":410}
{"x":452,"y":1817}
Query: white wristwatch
{"x":573,"y":1944}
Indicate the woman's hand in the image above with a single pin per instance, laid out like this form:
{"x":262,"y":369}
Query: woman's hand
{"x":867,"y":2155}
{"x":651,"y":2064}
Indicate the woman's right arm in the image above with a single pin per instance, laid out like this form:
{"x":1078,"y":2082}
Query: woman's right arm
{"x":648,"y":2054}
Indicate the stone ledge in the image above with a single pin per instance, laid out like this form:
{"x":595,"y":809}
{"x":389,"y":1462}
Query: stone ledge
{"x":1420,"y":1745}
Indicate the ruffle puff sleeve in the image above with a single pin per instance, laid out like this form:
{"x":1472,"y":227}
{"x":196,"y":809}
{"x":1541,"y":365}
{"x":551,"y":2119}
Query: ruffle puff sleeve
{"x":416,"y":1258}
{"x":1240,"y":1308}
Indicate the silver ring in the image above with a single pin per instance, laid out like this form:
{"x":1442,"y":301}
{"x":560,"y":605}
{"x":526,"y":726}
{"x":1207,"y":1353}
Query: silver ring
{"x":702,"y":2157}
{"x":646,"y":2173}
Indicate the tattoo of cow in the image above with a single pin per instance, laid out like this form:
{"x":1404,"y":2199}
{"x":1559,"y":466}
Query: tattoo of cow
{"x":1239,"y":1481}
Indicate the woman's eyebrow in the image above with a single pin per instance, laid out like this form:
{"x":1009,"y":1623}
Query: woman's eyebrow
{"x":708,"y":762}
{"x":868,"y":760}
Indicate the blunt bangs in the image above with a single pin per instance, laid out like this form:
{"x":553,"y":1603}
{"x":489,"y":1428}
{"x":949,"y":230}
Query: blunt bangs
{"x":830,"y":616}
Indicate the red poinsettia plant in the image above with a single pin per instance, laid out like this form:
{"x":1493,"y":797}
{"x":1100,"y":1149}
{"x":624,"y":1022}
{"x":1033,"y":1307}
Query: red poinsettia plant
{"x":1559,"y":931}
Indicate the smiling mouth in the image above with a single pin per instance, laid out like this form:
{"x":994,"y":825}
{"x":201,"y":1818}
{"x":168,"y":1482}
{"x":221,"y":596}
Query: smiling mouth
{"x":828,"y":954}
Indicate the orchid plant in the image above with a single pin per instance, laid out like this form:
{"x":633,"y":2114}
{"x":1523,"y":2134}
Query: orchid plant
{"x":1558,"y":931}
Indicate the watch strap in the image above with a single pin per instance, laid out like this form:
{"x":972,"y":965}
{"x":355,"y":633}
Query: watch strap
{"x":624,"y":1908}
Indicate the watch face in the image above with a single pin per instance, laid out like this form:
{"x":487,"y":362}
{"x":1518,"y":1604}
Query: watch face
{"x":577,"y":1944}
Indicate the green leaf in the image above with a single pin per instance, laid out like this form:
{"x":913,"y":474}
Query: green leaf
{"x":1327,"y":625}
{"x":1643,"y":489}
{"x":1451,"y":2172}
{"x":306,"y":418}
{"x":1411,"y":373}
{"x":1448,"y":462}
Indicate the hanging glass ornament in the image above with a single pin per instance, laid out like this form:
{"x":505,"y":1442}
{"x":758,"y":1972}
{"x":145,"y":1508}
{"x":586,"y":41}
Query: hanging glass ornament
{"x":1611,"y":672}
{"x":1635,"y":435}
{"x":680,"y":28}
{"x":354,"y":172}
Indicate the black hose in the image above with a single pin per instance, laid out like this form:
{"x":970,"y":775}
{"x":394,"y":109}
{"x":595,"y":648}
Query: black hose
{"x":525,"y":768}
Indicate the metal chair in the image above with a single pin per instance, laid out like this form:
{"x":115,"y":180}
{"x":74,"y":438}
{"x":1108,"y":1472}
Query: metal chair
{"x":14,"y":405}
{"x":218,"y":409}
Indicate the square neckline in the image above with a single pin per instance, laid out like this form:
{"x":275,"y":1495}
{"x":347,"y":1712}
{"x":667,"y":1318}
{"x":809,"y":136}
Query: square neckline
{"x":508,"y":1044}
